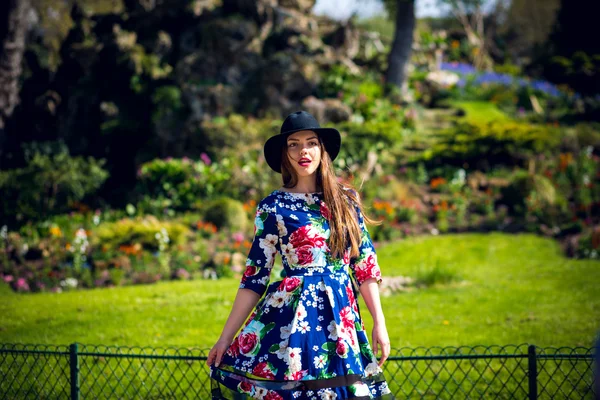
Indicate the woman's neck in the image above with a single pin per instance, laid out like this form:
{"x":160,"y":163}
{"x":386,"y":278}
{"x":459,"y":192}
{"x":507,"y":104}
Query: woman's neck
{"x":306,"y":184}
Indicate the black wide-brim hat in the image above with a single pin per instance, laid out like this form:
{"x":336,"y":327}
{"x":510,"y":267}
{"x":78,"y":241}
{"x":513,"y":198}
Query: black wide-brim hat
{"x":296,"y":122}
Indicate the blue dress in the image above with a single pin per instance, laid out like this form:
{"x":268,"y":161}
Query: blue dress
{"x":305,"y":339}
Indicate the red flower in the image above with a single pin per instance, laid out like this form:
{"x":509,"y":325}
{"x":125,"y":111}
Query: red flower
{"x":251,"y":270}
{"x":346,"y":256}
{"x":234,"y":349}
{"x":248,"y":342}
{"x":341,"y":348}
{"x":367,"y":269}
{"x":262,"y":369}
{"x":350,"y":294}
{"x":271,"y":395}
{"x":245,"y":387}
{"x":304,"y":254}
{"x":305,"y":236}
{"x":347,"y":317}
{"x":325,"y":211}
{"x":296,"y":376}
{"x":290,"y":284}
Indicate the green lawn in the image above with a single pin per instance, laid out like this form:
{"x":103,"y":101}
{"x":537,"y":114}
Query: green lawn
{"x":481,"y":111}
{"x":513,"y":289}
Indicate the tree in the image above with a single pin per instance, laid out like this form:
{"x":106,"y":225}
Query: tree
{"x":470,"y":14}
{"x":13,"y":20}
{"x":403,"y":39}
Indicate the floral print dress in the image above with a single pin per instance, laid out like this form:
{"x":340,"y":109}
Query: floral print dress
{"x":305,"y":339}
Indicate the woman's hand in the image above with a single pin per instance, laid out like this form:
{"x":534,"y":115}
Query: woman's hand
{"x":216,"y":353}
{"x":381,"y":341}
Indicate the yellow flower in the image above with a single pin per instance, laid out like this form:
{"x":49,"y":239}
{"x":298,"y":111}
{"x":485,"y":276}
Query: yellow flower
{"x":55,"y":231}
{"x":446,"y":322}
{"x":455,"y":44}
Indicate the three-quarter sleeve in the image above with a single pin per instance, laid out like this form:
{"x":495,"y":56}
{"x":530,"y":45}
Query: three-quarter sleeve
{"x":262,"y":252}
{"x":365,"y":266}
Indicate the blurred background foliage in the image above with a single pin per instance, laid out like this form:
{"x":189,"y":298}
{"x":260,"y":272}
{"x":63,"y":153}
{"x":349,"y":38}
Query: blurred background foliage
{"x":134,"y":151}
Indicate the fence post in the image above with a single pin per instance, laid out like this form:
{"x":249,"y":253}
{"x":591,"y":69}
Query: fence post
{"x":532,"y":364}
{"x":74,"y":363}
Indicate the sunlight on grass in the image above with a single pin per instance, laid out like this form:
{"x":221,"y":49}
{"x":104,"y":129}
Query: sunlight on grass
{"x":520,"y":289}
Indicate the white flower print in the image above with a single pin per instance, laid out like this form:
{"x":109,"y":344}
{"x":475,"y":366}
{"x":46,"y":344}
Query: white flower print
{"x":268,"y":246}
{"x":294,"y":217}
{"x":333,"y":329}
{"x":259,"y":393}
{"x":320,"y":361}
{"x":288,"y":251}
{"x":300,"y":312}
{"x":361,"y":389}
{"x":281,"y":225}
{"x":282,"y":352}
{"x":285,"y":331}
{"x":304,"y":327}
{"x":372,"y":369}
{"x":292,"y":359}
{"x":329,"y":292}
{"x":277,"y":299}
{"x":328,"y":395}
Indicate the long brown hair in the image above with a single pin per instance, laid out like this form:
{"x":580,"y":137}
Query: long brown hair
{"x":341,"y":199}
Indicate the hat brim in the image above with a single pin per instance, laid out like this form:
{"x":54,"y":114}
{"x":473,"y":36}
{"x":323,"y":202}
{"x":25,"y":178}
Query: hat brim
{"x":330,"y":137}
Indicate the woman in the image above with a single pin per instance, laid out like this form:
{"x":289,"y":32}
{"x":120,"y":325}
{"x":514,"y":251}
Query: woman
{"x":305,"y":338}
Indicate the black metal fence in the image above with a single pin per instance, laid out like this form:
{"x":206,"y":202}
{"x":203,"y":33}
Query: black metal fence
{"x":481,"y":372}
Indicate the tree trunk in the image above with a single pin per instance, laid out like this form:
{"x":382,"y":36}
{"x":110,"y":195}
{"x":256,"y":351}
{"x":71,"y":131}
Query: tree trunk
{"x":13,"y":23}
{"x":403,"y":38}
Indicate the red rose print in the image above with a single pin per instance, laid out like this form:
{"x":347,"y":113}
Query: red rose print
{"x":251,"y":270}
{"x":248,"y":342}
{"x":290,"y":284}
{"x":325,"y":210}
{"x":306,"y":236}
{"x":262,"y":369}
{"x":341,"y":348}
{"x":346,"y":258}
{"x":234,"y":349}
{"x":296,"y":376}
{"x":370,"y":261}
{"x":304,"y":255}
{"x":273,"y":396}
{"x":366,"y":269}
{"x":245,"y":387}
{"x":347,"y":317}
{"x":350,"y":294}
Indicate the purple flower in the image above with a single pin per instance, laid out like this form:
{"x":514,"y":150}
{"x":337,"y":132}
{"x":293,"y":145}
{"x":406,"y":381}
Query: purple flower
{"x":205,"y":158}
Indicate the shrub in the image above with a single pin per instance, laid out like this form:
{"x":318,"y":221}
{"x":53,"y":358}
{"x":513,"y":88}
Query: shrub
{"x":480,"y":145}
{"x":140,"y":231}
{"x":534,"y":195}
{"x":226,"y":213}
{"x":49,"y":184}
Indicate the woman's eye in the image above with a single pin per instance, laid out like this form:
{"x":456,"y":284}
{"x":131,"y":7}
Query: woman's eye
{"x":291,"y":144}
{"x":313,"y":143}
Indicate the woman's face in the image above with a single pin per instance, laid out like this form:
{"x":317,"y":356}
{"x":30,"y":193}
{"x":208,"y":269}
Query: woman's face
{"x":304,"y":152}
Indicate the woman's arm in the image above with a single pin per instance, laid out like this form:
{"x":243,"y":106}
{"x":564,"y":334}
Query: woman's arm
{"x":370,"y":291}
{"x":245,"y":301}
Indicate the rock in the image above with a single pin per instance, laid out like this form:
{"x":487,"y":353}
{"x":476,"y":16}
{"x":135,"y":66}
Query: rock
{"x":442,"y":78}
{"x":301,"y":5}
{"x":345,"y":40}
{"x":259,"y":10}
{"x":328,"y":110}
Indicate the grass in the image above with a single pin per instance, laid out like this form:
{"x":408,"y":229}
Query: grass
{"x":512,"y":289}
{"x":480,"y":111}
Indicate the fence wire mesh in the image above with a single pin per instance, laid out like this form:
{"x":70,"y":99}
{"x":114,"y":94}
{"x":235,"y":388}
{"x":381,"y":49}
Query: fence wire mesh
{"x":109,"y":372}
